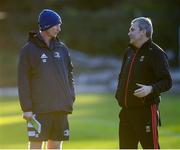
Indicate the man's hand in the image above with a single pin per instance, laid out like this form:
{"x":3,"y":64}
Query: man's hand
{"x":143,"y":91}
{"x":27,"y":115}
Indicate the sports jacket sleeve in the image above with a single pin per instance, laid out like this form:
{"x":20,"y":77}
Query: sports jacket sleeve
{"x":70,"y":76}
{"x":23,"y":81}
{"x":160,"y":68}
{"x":120,"y":76}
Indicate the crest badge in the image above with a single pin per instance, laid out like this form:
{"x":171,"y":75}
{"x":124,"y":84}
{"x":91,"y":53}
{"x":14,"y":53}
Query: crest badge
{"x":141,"y":59}
{"x":56,"y":55}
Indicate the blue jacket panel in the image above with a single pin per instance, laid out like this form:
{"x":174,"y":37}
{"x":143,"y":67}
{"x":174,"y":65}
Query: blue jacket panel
{"x":45,"y":79}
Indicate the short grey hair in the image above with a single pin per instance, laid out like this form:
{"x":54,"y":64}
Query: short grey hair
{"x":144,"y":24}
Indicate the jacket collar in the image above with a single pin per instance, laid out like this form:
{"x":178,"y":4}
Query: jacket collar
{"x":36,"y":38}
{"x":146,"y":45}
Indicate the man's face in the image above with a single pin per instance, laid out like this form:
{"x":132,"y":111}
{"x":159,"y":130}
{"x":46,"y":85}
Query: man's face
{"x":135,"y":35}
{"x":53,"y":31}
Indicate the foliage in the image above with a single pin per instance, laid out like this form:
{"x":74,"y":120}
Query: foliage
{"x":97,"y":27}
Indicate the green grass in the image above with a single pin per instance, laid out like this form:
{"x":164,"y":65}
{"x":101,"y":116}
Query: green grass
{"x":93,"y":124}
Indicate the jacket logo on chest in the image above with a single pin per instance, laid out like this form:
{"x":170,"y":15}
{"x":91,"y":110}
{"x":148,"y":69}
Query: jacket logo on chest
{"x":141,"y":59}
{"x":44,"y":58}
{"x":57,"y":55}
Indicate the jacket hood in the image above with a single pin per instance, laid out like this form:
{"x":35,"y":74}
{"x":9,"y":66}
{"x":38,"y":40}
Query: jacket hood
{"x":36,"y":38}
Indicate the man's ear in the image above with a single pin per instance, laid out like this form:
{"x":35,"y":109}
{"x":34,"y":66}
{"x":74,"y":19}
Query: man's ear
{"x":144,"y":31}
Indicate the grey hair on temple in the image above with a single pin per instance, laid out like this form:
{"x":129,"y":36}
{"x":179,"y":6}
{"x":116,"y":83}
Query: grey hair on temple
{"x":144,"y":24}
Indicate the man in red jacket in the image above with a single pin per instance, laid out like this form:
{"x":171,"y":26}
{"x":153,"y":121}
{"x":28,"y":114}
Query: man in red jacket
{"x":144,"y":76}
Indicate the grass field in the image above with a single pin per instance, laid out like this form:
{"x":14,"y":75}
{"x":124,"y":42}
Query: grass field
{"x":93,"y":124}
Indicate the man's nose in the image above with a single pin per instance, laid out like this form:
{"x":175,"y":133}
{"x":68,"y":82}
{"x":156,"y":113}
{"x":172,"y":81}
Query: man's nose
{"x":58,"y":27}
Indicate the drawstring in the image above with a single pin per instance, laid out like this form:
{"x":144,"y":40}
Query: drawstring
{"x":158,"y":116}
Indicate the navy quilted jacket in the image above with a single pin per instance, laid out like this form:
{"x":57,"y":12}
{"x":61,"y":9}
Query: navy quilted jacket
{"x":45,"y":79}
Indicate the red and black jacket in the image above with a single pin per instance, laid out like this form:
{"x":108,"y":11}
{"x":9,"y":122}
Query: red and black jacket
{"x":147,"y":65}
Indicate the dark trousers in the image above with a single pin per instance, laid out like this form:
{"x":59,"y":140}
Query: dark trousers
{"x":138,"y":125}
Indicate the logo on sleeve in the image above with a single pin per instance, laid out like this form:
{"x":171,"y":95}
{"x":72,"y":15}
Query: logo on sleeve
{"x":66,"y":132}
{"x":44,"y":58}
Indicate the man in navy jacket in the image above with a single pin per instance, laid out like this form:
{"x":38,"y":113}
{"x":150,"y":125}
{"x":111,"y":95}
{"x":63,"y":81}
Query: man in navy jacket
{"x":45,"y":83}
{"x":144,"y":76}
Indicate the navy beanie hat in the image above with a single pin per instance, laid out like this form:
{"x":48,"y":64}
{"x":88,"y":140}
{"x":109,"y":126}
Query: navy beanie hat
{"x":47,"y":19}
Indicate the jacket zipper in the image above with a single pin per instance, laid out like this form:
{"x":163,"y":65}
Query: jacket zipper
{"x":129,"y":73}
